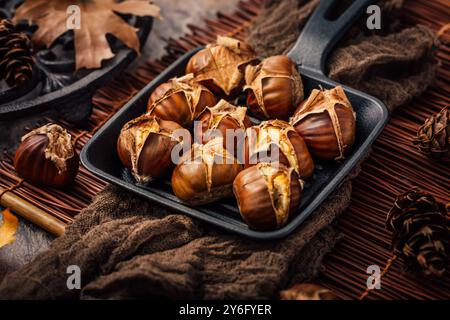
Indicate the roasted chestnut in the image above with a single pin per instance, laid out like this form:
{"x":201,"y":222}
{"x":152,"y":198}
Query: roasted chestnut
{"x":47,"y":157}
{"x":277,"y":141}
{"x":145,"y":146}
{"x":274,"y":88}
{"x":223,"y":120}
{"x":268,"y":195}
{"x":205,"y":174}
{"x":326,"y":121}
{"x":180,"y":100}
{"x":220,"y":66}
{"x":308,"y":291}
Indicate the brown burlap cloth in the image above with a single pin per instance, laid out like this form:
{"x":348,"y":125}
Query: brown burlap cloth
{"x":129,"y":248}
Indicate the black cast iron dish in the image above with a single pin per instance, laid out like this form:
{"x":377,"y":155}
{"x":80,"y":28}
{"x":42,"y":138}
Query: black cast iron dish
{"x":55,"y":85}
{"x":318,"y":37}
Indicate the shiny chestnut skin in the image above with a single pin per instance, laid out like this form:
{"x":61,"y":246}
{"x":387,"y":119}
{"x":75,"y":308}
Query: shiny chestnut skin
{"x":205,"y":174}
{"x":274,"y":88}
{"x":268,"y":195}
{"x":46,"y":157}
{"x":308,"y":291}
{"x":276,"y":135}
{"x":145,"y":146}
{"x":180,"y":100}
{"x":218,"y":120}
{"x":327,"y":122}
{"x":221,"y":66}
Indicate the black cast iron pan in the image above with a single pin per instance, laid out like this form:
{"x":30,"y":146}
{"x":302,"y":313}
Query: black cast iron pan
{"x":318,"y":37}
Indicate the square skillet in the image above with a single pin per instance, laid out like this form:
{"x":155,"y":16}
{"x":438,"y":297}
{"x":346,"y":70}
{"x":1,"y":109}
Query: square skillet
{"x":310,"y":52}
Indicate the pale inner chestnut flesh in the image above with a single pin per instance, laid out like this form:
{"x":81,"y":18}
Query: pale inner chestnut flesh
{"x":278,"y":184}
{"x":272,"y":134}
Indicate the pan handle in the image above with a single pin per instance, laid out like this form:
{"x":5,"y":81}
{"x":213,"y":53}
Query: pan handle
{"x":320,"y":35}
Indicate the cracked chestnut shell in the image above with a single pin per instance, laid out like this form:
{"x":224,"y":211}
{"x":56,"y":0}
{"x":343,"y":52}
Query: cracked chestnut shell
{"x":180,"y":100}
{"x":274,"y":88}
{"x":222,"y":118}
{"x":268,"y":195}
{"x":308,"y":291}
{"x":221,"y":66}
{"x":145,"y":146}
{"x":47,"y":157}
{"x":277,"y":141}
{"x":327,"y":122}
{"x":205,"y":174}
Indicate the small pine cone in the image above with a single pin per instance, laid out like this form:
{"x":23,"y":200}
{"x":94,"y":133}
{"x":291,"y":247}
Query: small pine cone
{"x":433,"y":137}
{"x":6,"y":27}
{"x":420,"y":232}
{"x":16,"y":61}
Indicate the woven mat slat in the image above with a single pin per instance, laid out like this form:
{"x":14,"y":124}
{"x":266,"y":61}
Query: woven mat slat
{"x":383,"y":176}
{"x":365,"y":242}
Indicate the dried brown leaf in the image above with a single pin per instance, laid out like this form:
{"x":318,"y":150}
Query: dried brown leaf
{"x":98,"y":18}
{"x":8,"y":228}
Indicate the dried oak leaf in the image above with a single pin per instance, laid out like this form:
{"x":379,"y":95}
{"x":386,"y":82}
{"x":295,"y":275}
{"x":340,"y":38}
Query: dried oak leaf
{"x":8,"y":228}
{"x":98,"y":18}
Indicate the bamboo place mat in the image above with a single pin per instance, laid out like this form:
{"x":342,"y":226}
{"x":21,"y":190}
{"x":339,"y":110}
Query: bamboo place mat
{"x":393,"y":167}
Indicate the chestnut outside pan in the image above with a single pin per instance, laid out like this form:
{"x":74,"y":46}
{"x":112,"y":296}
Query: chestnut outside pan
{"x":310,"y":52}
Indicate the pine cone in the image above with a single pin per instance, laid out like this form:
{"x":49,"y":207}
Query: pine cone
{"x":433,"y":137}
{"x":420,"y":232}
{"x":16,"y":61}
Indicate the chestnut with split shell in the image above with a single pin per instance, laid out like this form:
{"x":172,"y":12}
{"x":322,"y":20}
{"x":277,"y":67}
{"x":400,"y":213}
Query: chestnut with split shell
{"x":221,"y":66}
{"x":268,"y":195}
{"x":180,"y":100}
{"x":205,"y":174}
{"x":223,"y":120}
{"x":308,"y":291}
{"x":327,"y":122}
{"x":47,"y":157}
{"x":145,"y":146}
{"x":274,"y":88}
{"x":277,"y":141}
